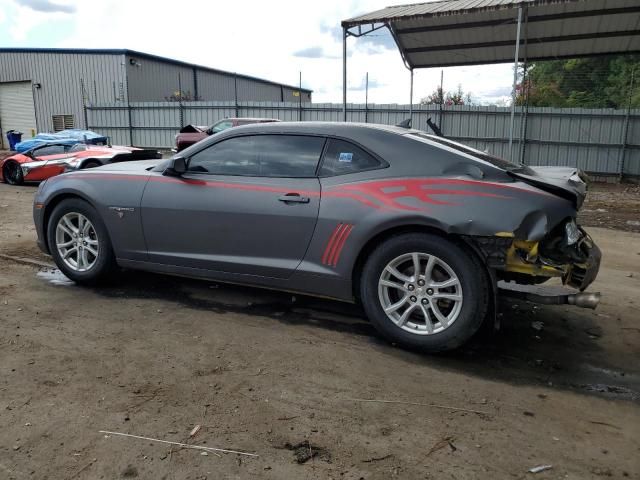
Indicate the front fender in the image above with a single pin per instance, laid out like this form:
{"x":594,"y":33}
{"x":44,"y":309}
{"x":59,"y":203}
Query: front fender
{"x":119,"y":210}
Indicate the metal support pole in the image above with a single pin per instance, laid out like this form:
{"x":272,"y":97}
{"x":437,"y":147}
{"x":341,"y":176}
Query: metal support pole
{"x":344,"y":74}
{"x":130,"y":115}
{"x":235,"y":93}
{"x":524,"y":111}
{"x":180,"y":109}
{"x":300,"y":99}
{"x":441,"y":101}
{"x":195,"y":85}
{"x":525,"y":119}
{"x":366,"y":98}
{"x":625,"y":132}
{"x":84,"y":104}
{"x":411,"y":99}
{"x":515,"y":82}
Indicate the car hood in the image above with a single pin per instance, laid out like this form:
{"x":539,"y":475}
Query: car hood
{"x":566,"y":182}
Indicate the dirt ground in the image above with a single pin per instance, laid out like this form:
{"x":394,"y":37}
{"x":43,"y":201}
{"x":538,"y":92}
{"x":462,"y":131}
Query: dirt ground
{"x":282,"y":377}
{"x":615,"y":206}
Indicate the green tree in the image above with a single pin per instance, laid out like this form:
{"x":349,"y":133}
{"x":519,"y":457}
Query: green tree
{"x":602,"y":82}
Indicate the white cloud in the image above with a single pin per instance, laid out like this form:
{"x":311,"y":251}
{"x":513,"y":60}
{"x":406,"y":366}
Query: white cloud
{"x":261,"y":38}
{"x":23,"y":16}
{"x":47,"y":6}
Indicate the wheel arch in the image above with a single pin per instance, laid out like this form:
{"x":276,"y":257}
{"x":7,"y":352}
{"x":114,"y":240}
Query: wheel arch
{"x":84,"y":162}
{"x":53,"y":203}
{"x":390,"y":232}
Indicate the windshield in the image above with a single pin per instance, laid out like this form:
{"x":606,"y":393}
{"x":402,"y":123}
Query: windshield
{"x":487,"y":157}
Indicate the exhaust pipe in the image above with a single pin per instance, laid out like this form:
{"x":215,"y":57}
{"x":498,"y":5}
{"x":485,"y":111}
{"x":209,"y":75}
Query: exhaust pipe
{"x":584,"y":300}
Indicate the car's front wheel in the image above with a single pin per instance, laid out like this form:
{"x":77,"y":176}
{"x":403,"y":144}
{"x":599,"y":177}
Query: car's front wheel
{"x":79,"y":242}
{"x":425,"y":292}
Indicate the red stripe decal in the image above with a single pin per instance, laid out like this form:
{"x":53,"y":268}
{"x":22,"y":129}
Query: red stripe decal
{"x":341,"y":242}
{"x":330,"y":243}
{"x":336,"y":242}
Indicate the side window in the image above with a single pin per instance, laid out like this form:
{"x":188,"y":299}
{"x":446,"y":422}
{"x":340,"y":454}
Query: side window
{"x":288,"y":155}
{"x":235,"y":156}
{"x":220,"y":126}
{"x":260,"y":156}
{"x":78,"y":147}
{"x":343,"y":157}
{"x":49,"y":150}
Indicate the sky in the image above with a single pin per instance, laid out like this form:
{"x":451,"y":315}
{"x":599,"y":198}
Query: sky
{"x":274,"y":39}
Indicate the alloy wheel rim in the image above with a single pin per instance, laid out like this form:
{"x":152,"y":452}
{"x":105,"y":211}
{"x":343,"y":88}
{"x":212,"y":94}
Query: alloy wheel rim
{"x":77,"y":242}
{"x":420,"y":293}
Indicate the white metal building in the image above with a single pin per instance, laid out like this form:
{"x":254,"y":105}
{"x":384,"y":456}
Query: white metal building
{"x":45,"y":90}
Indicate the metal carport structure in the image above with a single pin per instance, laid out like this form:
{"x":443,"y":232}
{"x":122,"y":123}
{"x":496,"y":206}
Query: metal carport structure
{"x":473,"y":32}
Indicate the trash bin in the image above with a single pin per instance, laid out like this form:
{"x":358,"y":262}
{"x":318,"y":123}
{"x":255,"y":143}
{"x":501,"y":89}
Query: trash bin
{"x":14,"y":137}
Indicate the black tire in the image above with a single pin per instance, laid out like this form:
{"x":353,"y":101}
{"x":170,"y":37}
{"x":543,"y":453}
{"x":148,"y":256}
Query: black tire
{"x":105,"y":264}
{"x":473,"y":281}
{"x":12,"y":173}
{"x":91,"y":164}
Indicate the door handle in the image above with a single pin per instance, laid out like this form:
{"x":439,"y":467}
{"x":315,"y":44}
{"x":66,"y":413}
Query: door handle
{"x":293,"y":198}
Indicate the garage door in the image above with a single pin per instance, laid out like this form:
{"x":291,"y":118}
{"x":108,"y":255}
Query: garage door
{"x":16,"y":110}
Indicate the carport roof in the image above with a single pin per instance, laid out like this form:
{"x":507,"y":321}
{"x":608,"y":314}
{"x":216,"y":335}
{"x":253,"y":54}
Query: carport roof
{"x":470,"y":32}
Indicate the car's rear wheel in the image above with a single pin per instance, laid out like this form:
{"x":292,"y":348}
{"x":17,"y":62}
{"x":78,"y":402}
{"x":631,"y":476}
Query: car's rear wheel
{"x":424,"y":292}
{"x":12,"y":173}
{"x":79,"y":242}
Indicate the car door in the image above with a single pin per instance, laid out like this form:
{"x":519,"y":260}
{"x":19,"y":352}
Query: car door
{"x":246,"y":205}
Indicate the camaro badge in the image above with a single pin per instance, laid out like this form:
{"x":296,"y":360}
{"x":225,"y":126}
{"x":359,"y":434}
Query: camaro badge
{"x":120,"y":210}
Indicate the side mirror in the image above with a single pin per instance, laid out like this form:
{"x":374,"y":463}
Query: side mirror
{"x":209,"y":131}
{"x":177,"y":167}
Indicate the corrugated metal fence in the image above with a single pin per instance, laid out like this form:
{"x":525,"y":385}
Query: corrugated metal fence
{"x":602,"y":141}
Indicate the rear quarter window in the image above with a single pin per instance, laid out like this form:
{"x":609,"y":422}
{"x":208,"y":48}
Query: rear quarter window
{"x":342,"y":157}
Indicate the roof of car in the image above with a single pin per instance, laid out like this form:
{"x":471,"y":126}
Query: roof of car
{"x":325,"y":128}
{"x":253,"y":119}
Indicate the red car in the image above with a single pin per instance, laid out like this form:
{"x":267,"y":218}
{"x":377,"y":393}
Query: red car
{"x":53,"y":159}
{"x":192,"y":133}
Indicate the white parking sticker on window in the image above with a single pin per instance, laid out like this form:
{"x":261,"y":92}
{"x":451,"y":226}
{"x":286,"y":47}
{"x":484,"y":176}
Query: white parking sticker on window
{"x":345,"y":157}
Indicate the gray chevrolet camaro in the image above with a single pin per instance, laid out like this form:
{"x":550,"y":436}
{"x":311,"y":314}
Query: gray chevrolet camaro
{"x":417,"y":228}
